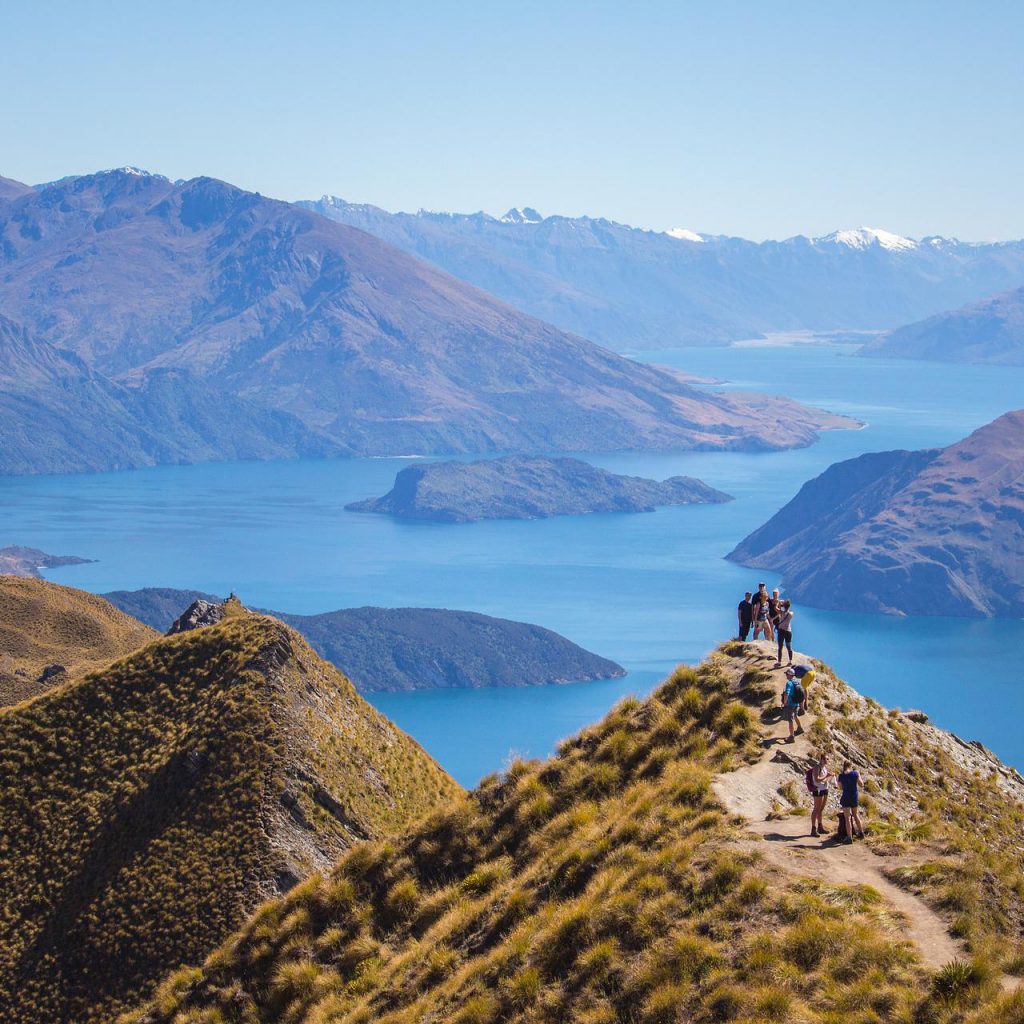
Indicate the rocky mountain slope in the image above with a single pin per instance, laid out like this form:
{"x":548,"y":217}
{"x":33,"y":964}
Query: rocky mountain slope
{"x":519,"y":487}
{"x":989,"y":331}
{"x":180,"y":300}
{"x":629,"y":288}
{"x":410,"y":648}
{"x":59,"y":416}
{"x":50,"y":633}
{"x":147,"y":808}
{"x":611,"y":884}
{"x":936,"y":532}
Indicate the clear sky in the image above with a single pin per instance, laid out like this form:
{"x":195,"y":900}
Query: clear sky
{"x":763,"y":119}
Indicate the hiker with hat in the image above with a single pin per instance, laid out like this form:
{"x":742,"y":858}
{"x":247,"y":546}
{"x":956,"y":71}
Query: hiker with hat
{"x":793,"y":697}
{"x":762,"y":612}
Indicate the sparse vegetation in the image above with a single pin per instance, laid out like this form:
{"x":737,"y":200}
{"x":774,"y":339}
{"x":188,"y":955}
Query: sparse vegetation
{"x":600,"y":886}
{"x":147,"y":808}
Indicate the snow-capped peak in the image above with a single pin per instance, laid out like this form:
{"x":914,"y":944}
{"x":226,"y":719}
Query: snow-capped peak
{"x":526,"y":215}
{"x":864,"y":238}
{"x":684,"y":235}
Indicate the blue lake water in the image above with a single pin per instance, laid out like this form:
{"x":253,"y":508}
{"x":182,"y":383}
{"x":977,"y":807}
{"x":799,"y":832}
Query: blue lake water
{"x":647,"y":590}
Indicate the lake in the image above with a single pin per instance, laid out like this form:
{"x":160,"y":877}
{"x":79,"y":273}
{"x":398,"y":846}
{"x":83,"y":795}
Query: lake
{"x":648,"y":590}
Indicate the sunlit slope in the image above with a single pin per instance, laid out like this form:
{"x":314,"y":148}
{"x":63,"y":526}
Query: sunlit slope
{"x":147,"y":808}
{"x":44,"y":624}
{"x":608,"y":884}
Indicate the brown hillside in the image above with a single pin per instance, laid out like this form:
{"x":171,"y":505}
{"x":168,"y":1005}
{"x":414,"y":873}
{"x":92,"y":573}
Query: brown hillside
{"x":612,"y":884}
{"x":45,"y":624}
{"x":147,"y":808}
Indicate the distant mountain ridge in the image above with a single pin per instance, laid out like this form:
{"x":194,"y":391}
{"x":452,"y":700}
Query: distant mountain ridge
{"x":933,"y":532}
{"x":989,"y":331}
{"x":154,"y":321}
{"x":521,"y":487}
{"x":630,"y":288}
{"x":395,"y":649}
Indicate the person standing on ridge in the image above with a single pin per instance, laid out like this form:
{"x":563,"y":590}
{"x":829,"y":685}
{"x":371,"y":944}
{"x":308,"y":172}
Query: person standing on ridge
{"x":773,"y":609}
{"x":818,"y":780}
{"x":805,"y":673}
{"x":784,"y":631}
{"x":762,"y":613}
{"x":848,"y":782}
{"x":745,"y":615}
{"x":793,"y":697}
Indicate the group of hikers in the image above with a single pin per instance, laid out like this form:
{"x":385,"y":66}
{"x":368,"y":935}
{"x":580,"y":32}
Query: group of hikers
{"x":771,"y":617}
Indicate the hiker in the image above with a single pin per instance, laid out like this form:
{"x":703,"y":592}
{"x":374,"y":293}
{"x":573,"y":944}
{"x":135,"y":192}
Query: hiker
{"x":745,"y":614}
{"x":773,"y":608}
{"x":784,"y":634}
{"x":817,"y":779}
{"x":848,"y":782}
{"x":762,"y":613}
{"x":805,"y":673}
{"x":793,"y":697}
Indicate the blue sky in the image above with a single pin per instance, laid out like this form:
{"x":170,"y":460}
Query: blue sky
{"x":762,"y":119}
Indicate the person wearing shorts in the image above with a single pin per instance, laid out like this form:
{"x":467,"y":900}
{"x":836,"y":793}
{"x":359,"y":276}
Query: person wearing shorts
{"x":762,"y":613}
{"x":848,"y":782}
{"x":821,"y":777}
{"x":791,"y":701}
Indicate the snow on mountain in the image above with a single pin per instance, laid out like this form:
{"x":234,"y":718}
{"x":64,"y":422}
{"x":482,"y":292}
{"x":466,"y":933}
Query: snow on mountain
{"x":864,"y":238}
{"x":684,"y":234}
{"x":526,"y":215}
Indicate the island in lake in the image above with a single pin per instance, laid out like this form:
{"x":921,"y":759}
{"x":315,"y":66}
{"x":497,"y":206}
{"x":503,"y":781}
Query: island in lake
{"x":521,"y":487}
{"x":16,"y":560}
{"x":409,"y":648}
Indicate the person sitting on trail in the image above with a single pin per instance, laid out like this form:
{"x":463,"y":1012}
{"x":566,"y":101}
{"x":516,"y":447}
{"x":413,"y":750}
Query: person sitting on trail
{"x":762,"y":613}
{"x":848,"y":782}
{"x":805,"y":673}
{"x":784,"y":632}
{"x":745,"y":614}
{"x":793,"y":697}
{"x":818,"y":779}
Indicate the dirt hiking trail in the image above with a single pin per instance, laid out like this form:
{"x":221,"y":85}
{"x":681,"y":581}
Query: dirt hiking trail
{"x":752,"y":793}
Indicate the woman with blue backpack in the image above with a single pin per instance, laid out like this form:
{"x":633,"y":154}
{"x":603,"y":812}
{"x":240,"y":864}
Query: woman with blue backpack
{"x":793,"y":697}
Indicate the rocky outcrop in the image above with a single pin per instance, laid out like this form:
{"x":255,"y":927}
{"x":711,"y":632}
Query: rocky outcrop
{"x":936,"y":532}
{"x":198,"y":614}
{"x":517,"y":487}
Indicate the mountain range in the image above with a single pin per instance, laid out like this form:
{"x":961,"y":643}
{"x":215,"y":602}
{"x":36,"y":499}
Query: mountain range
{"x":630,"y":288}
{"x":932,"y":532}
{"x":153,"y":321}
{"x":989,"y":331}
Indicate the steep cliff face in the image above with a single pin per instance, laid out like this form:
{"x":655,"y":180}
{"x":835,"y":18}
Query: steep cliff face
{"x":148,"y":807}
{"x":923,"y":533}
